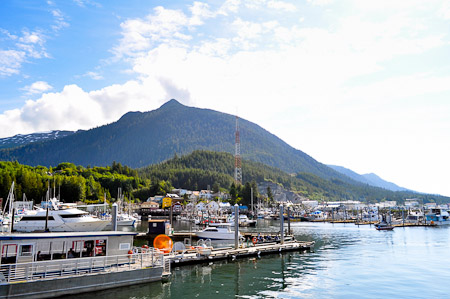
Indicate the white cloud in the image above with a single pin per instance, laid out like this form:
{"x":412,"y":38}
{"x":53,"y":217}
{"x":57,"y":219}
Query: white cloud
{"x":37,"y":88}
{"x":18,"y":49}
{"x":73,"y":108}
{"x":84,"y":3}
{"x":163,"y":26}
{"x":345,"y":82}
{"x":281,"y":5}
{"x":321,"y":2}
{"x":59,"y":20}
{"x":11,"y":61}
{"x":93,"y":75}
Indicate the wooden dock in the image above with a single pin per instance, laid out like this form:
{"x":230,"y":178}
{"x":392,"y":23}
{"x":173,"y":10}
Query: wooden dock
{"x":193,"y":256}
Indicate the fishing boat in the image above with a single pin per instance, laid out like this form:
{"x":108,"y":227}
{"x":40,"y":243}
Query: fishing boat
{"x":385,"y":223}
{"x":383,"y":226}
{"x":221,"y":231}
{"x":438,"y":216}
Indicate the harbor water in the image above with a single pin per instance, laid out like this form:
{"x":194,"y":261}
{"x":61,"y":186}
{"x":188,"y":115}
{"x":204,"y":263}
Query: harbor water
{"x":348,"y":261}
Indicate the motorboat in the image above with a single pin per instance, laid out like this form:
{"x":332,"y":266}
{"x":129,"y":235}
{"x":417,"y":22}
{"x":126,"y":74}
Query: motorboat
{"x":383,"y":226}
{"x":126,"y":220}
{"x":385,"y":223}
{"x":57,"y":219}
{"x":243,"y":220}
{"x":218,"y":232}
{"x":438,"y":216}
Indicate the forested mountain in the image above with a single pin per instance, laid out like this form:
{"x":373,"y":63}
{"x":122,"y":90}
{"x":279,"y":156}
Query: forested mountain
{"x":194,"y":172}
{"x":368,"y":178}
{"x":143,"y":138}
{"x":202,"y":168}
{"x":18,"y":140}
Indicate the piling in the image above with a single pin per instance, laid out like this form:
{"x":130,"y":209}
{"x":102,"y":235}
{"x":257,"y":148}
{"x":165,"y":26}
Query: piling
{"x":236,"y":226}
{"x":289,"y":220}
{"x":282,"y":223}
{"x":114,"y":217}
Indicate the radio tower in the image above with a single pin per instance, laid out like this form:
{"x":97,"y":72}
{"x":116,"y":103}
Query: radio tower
{"x":237,"y":156}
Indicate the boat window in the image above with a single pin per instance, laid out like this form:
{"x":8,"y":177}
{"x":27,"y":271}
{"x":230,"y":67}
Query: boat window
{"x":77,"y":246}
{"x":124,"y":246}
{"x":9,"y":253}
{"x":43,"y":250}
{"x":36,"y":218}
{"x":100,"y":247}
{"x":88,"y":249}
{"x":71,"y":215}
{"x":58,"y":250}
{"x":26,"y":250}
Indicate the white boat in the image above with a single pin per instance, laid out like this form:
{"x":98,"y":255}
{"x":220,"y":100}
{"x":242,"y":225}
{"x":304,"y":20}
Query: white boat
{"x":126,"y":220}
{"x":438,"y":216}
{"x":218,"y":232}
{"x":243,"y":220}
{"x":43,"y":265}
{"x":60,"y":220}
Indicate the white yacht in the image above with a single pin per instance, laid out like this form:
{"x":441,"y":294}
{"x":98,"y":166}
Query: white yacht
{"x":59,"y":220}
{"x":218,"y":232}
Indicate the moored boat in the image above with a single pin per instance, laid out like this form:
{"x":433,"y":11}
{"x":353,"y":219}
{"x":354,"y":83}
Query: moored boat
{"x":218,"y":232}
{"x":59,"y":220}
{"x":438,"y":216}
{"x":41,"y":265}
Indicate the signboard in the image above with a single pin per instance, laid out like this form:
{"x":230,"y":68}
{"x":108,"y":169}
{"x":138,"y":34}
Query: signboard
{"x":166,"y":202}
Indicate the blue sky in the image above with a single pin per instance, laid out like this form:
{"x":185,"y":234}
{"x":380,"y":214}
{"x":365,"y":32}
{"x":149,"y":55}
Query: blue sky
{"x":362,"y":84}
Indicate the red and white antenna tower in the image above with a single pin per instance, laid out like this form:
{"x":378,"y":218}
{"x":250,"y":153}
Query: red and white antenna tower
{"x":237,"y":156}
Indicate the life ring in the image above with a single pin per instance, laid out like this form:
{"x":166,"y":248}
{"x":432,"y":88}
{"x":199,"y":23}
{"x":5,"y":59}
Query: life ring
{"x":254,"y":240}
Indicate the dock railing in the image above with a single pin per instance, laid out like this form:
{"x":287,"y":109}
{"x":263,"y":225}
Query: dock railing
{"x":80,"y":266}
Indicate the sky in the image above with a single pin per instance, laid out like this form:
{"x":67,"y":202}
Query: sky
{"x":360,"y":84}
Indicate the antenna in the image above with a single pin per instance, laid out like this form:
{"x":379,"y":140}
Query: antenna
{"x":237,"y":156}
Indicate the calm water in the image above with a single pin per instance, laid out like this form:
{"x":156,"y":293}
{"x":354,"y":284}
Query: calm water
{"x":348,"y":261}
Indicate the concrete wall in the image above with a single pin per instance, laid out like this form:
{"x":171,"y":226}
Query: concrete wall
{"x":79,"y":284}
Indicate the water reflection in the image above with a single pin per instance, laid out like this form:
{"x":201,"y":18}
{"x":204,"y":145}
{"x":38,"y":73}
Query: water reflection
{"x":348,"y":261}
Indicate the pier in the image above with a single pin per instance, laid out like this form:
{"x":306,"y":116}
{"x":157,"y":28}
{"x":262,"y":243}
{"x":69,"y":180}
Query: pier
{"x":200,"y":255}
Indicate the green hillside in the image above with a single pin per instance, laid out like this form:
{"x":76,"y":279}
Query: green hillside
{"x":143,"y":138}
{"x":194,"y":172}
{"x":202,"y":168}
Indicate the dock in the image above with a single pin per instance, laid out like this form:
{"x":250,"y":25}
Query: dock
{"x":195,"y":256}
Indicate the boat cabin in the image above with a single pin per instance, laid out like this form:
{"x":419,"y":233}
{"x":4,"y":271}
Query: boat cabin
{"x":25,"y":248}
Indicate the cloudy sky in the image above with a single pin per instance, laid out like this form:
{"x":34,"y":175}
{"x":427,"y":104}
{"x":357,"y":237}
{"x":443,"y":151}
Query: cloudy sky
{"x":362,"y":84}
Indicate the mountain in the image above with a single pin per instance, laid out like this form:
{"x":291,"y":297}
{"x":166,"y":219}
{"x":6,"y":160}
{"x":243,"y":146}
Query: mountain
{"x":201,"y":169}
{"x":369,"y":179}
{"x":379,"y":182}
{"x":18,"y":140}
{"x":138,"y":139}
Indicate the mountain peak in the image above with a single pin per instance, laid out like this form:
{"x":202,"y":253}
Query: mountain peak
{"x":171,"y":104}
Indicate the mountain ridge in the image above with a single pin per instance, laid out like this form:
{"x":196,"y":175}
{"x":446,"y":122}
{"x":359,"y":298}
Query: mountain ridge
{"x":369,"y":178}
{"x":138,"y":139}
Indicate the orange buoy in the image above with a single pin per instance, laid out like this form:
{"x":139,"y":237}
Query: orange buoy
{"x":254,"y":240}
{"x":163,"y":243}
